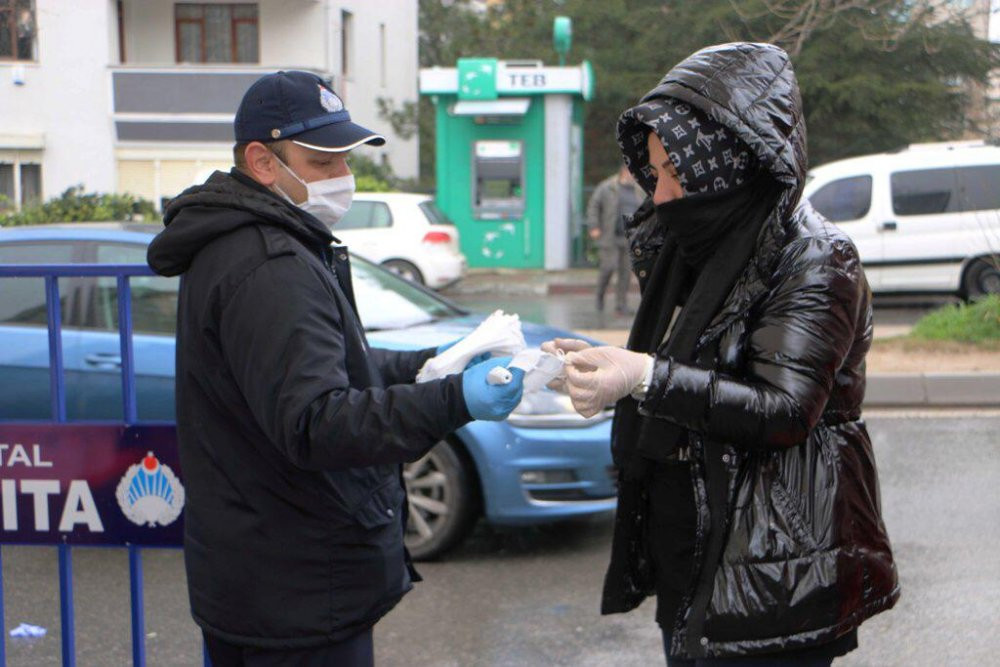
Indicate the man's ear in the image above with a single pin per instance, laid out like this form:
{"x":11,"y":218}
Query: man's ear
{"x":261,"y":165}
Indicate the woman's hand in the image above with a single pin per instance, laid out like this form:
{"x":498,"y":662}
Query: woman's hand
{"x":559,"y":347}
{"x":600,"y":376}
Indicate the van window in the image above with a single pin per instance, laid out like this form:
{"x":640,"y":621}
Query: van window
{"x":844,"y":199}
{"x":979,"y":188}
{"x":924,"y":192}
{"x":950,"y":190}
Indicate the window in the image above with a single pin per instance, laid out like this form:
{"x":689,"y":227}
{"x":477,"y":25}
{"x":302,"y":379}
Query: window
{"x":154,"y":298}
{"x":498,"y":167}
{"x":979,"y":188}
{"x":949,"y":190}
{"x":434,"y":215}
{"x":22,"y":300}
{"x":844,"y":199}
{"x":17,"y":30}
{"x":365,"y":215}
{"x":386,"y":301}
{"x":924,"y":192}
{"x":216,"y":33}
{"x":346,"y":43}
{"x":20,"y":185}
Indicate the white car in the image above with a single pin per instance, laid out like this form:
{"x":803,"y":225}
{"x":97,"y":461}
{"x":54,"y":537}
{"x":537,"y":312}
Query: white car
{"x":925,"y":219}
{"x":405,"y":233}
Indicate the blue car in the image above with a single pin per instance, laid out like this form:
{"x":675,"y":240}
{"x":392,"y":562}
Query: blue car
{"x":542,"y":464}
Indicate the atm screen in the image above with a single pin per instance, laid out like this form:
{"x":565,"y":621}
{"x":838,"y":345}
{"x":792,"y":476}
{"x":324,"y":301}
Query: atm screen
{"x":498,"y":173}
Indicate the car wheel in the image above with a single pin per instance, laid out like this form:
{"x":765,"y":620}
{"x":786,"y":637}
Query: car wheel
{"x":982,"y":278}
{"x":404,"y":269}
{"x":443,"y":501}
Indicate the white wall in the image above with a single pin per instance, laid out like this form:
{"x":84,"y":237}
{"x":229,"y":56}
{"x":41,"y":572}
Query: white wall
{"x":364,"y":85}
{"x":291,"y":33}
{"x":306,"y":34}
{"x":65,"y":96}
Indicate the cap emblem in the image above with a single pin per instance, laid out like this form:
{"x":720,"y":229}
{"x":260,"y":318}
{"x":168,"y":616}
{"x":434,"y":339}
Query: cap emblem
{"x":328,"y":100}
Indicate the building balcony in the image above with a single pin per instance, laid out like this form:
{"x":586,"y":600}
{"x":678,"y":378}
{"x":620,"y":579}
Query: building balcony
{"x":182,"y":103}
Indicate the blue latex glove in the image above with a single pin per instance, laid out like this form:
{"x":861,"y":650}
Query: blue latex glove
{"x":491,"y":402}
{"x":478,"y":359}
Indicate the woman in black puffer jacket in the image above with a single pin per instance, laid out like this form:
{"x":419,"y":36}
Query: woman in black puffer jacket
{"x":748,"y":496}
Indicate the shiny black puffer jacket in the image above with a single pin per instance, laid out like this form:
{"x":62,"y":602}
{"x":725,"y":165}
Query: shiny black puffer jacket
{"x":790,"y":550}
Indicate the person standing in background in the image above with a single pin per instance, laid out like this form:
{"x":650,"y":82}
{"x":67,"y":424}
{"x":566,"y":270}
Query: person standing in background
{"x":614,"y":198}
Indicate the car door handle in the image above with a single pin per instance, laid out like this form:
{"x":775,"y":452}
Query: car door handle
{"x":888,"y":226}
{"x":103,"y":360}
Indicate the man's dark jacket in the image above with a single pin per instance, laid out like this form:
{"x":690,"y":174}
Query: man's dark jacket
{"x":291,"y":428}
{"x":790,"y":549}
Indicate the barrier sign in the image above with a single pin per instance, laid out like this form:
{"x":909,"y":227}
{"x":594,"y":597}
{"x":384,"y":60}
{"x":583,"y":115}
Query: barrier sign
{"x":97,"y":484}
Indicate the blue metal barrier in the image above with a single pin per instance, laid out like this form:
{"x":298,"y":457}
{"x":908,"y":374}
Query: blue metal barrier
{"x":51,"y":274}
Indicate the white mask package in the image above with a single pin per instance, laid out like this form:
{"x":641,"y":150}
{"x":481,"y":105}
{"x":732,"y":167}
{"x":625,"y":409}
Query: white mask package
{"x":499,"y":334}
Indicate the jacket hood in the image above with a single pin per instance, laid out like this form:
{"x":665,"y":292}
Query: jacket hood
{"x":751,"y":89}
{"x":223,"y":204}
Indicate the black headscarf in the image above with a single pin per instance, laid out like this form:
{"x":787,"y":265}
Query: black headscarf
{"x":711,"y":234}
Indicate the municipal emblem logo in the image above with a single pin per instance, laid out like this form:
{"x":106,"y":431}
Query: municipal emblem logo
{"x":150,"y":494}
{"x":329,"y":101}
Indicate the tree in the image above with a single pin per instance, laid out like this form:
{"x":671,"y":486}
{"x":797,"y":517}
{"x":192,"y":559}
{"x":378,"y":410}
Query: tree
{"x":875,"y":74}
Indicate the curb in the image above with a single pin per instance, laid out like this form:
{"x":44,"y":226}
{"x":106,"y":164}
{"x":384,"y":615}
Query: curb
{"x":933,"y":389}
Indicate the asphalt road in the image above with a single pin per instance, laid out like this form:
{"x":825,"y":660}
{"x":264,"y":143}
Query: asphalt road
{"x":577,"y":311}
{"x":530,"y":596}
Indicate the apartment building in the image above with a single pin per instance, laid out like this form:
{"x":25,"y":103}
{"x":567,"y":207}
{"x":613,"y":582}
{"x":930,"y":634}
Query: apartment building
{"x":138,"y":95}
{"x":983,"y":111}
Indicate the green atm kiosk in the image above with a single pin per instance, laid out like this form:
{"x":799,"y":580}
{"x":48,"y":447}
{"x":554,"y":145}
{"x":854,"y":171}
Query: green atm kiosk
{"x":510,"y":156}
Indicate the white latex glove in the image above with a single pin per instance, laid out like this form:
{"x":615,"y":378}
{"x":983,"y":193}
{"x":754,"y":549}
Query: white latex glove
{"x":600,"y":376}
{"x":564,"y":345}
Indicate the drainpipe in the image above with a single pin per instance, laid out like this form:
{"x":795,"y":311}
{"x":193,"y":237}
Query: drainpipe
{"x":157,"y":190}
{"x":326,"y":40}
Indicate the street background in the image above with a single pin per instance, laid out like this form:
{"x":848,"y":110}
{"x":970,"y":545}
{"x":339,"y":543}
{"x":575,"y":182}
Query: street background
{"x":531,"y":596}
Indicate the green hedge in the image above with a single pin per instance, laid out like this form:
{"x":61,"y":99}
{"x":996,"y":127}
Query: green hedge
{"x":977,"y":322}
{"x":75,"y":205}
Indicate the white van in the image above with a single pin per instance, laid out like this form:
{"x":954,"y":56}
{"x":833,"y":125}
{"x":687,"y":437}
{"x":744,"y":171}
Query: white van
{"x":925,"y":219}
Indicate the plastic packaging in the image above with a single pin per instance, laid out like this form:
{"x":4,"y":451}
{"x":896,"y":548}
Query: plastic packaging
{"x":539,"y":368}
{"x":26,"y":630}
{"x":499,"y":334}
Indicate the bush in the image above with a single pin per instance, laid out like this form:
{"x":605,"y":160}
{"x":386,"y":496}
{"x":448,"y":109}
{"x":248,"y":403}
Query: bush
{"x":977,"y":322}
{"x":370,"y":176}
{"x":74,"y":205}
{"x":366,"y":183}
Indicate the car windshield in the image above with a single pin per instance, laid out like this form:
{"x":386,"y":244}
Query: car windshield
{"x":386,"y":301}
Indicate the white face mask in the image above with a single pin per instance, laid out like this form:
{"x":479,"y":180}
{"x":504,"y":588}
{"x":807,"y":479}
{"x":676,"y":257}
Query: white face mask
{"x":327,"y":200}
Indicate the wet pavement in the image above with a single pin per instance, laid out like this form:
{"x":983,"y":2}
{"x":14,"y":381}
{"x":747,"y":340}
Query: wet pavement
{"x":577,"y":311}
{"x":530,"y":596}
